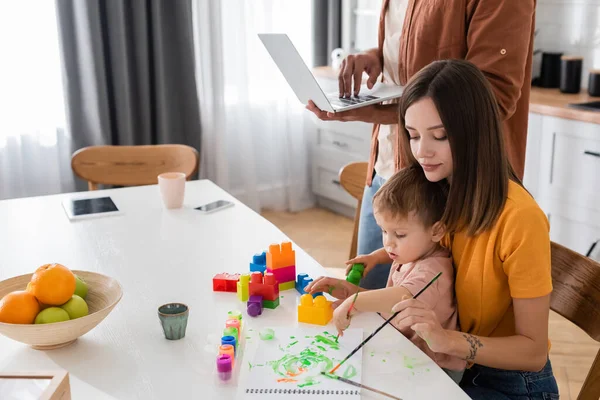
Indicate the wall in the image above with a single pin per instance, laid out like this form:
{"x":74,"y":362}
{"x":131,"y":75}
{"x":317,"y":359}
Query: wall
{"x":571,"y":27}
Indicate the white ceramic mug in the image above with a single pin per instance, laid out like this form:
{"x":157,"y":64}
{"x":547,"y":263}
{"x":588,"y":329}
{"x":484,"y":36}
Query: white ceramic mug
{"x":172,"y":189}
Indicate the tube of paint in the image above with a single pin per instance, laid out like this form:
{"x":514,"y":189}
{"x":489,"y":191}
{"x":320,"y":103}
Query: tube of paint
{"x":229,"y":340}
{"x":224,"y":366}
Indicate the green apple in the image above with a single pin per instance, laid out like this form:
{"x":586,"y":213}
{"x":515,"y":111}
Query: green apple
{"x":81,"y":288}
{"x":51,"y":315}
{"x":76,"y":307}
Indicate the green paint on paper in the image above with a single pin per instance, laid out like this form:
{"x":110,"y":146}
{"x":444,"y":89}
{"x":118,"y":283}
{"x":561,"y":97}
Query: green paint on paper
{"x":387,"y":352}
{"x":281,"y":348}
{"x":292,"y":337}
{"x":321,"y":348}
{"x":427,"y":369}
{"x":291,"y":344}
{"x":309,"y":382}
{"x":307,"y":337}
{"x":349,"y":372}
{"x":327,"y":341}
{"x":372,"y":354}
{"x":291,"y":365}
{"x":249,"y":365}
{"x":383,"y":360}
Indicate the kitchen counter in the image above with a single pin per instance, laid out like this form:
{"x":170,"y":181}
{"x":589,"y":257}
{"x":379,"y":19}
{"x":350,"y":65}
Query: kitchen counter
{"x":553,"y":102}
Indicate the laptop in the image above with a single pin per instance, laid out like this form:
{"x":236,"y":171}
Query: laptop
{"x":305,"y":86}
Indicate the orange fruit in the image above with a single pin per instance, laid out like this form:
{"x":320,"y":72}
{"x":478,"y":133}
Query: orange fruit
{"x":52,"y":284}
{"x":19,"y":307}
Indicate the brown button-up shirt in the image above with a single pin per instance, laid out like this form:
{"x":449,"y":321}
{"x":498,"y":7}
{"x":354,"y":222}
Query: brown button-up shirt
{"x":495,"y":35}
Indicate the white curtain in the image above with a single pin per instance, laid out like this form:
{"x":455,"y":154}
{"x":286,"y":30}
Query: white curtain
{"x":254,"y":139}
{"x":34,"y":146}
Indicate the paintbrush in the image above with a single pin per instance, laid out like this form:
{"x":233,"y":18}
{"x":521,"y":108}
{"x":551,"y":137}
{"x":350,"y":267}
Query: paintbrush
{"x":387,"y":321}
{"x":360,"y":385}
{"x":348,"y":313}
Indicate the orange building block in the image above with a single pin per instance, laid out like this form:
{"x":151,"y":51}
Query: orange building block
{"x":281,"y":256}
{"x":316,"y":311}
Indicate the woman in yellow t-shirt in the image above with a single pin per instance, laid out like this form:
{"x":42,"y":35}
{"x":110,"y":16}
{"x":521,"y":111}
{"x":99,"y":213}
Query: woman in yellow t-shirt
{"x":499,"y":237}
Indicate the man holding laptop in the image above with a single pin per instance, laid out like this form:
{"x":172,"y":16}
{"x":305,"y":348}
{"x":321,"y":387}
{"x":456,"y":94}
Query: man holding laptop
{"x":495,"y":35}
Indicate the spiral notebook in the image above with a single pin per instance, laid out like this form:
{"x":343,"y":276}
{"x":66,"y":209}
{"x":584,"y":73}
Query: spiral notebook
{"x":290,"y":365}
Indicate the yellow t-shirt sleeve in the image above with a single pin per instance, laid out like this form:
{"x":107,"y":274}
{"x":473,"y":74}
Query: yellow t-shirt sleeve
{"x":525,"y":253}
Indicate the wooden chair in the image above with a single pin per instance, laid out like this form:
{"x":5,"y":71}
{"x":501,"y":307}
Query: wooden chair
{"x":576,"y":296}
{"x":132,"y":165}
{"x":352,"y":178}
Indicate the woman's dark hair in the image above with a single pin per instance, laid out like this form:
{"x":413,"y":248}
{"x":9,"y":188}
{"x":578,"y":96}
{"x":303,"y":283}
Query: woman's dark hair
{"x":467,"y":107}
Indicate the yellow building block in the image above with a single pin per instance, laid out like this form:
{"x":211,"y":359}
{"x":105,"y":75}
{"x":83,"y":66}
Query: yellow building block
{"x":242,"y":287}
{"x":281,"y":256}
{"x":287,"y":285}
{"x":316,"y":311}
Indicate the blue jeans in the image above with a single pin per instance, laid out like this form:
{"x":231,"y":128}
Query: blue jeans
{"x":495,"y":384}
{"x":369,"y":237}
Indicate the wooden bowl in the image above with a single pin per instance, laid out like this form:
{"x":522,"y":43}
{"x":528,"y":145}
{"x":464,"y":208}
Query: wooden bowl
{"x":103,"y":295}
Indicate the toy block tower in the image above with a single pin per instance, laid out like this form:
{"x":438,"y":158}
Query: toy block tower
{"x":281,"y":262}
{"x":266,"y":287}
{"x":225,"y":282}
{"x":316,"y":311}
{"x":259,"y":262}
{"x":302,"y":281}
{"x":243,"y":287}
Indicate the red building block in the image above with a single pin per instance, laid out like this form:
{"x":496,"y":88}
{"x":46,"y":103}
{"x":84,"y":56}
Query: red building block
{"x":266,"y":286}
{"x":285,"y":274}
{"x":281,"y":256}
{"x":225,"y":282}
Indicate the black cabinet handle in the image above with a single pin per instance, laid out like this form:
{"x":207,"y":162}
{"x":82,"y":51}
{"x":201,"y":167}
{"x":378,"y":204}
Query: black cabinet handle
{"x":336,"y":182}
{"x":592,"y":153}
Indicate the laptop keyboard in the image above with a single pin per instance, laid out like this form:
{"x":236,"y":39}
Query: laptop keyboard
{"x":348,"y":101}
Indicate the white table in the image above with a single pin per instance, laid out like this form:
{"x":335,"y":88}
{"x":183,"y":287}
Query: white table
{"x":162,"y":256}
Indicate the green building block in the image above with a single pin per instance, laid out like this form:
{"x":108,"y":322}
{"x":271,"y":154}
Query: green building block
{"x":356,"y":274}
{"x":287,"y":286}
{"x":270,"y":304}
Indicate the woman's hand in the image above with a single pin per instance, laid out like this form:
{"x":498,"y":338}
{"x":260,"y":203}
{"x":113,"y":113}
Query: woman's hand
{"x":420,"y":318}
{"x":341,"y":317}
{"x":375,"y":114}
{"x":338,"y":288}
{"x":352,"y":69}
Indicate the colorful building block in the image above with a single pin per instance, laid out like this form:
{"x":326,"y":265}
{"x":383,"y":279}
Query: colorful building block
{"x":225,"y":282}
{"x":355,"y":274}
{"x":243,"y":287}
{"x":272,"y":304}
{"x":255,"y":306}
{"x":285,"y":274}
{"x":259,"y":263}
{"x":316,"y":311}
{"x":266,"y":286}
{"x":280,"y":256}
{"x":302,"y":281}
{"x":287,"y":286}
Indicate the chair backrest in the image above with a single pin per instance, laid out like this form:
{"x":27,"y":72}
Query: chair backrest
{"x":132,"y":165}
{"x":576,"y":296}
{"x":353,"y":177}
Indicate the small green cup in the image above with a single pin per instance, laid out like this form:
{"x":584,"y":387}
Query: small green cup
{"x":173,"y":319}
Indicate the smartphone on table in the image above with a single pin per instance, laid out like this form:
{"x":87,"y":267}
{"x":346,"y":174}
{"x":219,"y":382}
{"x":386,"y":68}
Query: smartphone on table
{"x":214,"y":206}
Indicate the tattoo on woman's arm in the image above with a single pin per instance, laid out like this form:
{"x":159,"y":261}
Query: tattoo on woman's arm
{"x":475,"y":344}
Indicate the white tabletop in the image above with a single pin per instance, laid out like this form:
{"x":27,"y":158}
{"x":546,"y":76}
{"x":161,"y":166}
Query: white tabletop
{"x":162,"y":256}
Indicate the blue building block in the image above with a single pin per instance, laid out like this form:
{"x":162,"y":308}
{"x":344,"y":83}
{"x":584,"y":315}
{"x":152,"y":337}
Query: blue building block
{"x":259,"y":263}
{"x":302,"y":281}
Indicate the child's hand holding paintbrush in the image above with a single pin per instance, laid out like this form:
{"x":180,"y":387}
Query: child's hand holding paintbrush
{"x":343,"y":313}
